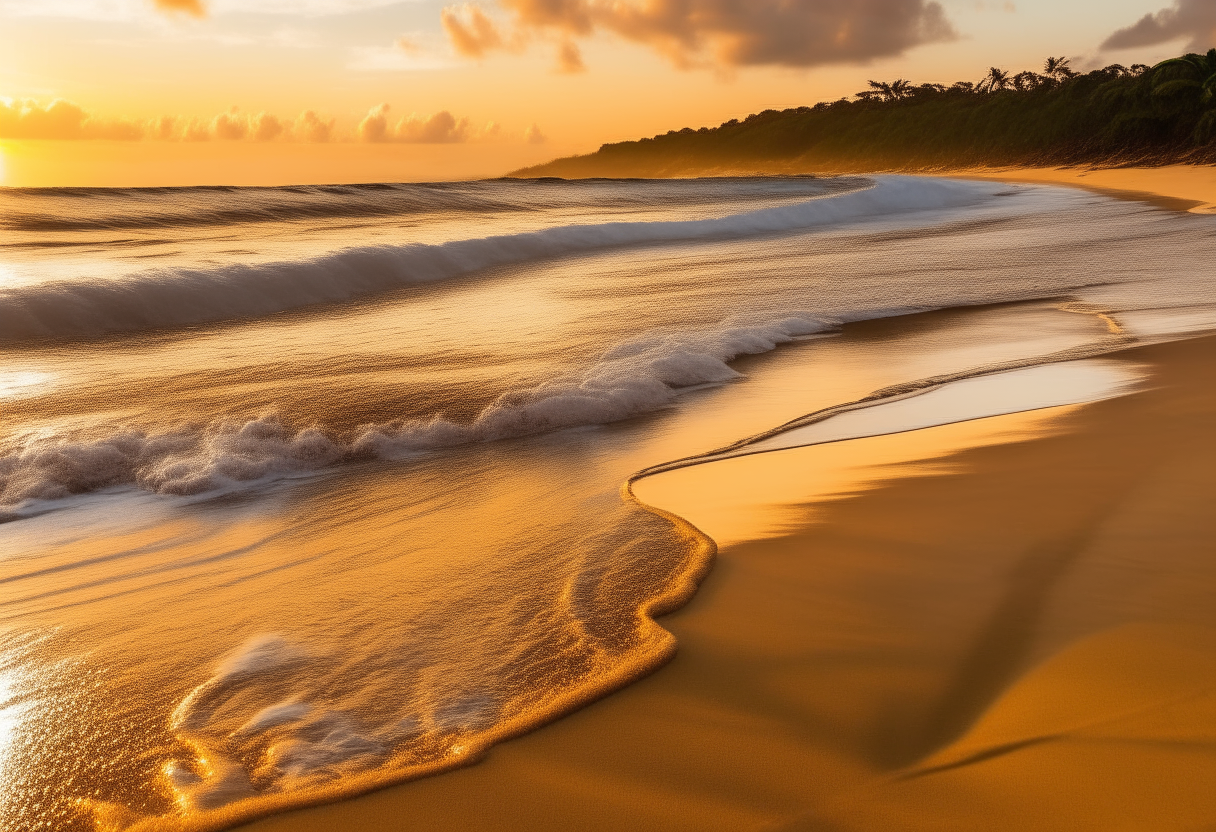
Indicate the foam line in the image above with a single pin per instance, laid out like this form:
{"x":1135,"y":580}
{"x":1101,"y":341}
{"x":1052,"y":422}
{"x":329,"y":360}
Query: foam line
{"x":635,"y":377}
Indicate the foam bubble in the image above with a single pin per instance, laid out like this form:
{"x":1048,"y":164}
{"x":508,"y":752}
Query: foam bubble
{"x":287,"y":744}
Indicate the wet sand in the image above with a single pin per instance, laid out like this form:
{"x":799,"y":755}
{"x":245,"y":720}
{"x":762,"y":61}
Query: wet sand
{"x":1179,"y":187}
{"x":1014,"y":634}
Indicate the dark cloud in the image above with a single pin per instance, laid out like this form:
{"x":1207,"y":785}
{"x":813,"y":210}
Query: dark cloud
{"x":725,"y":33}
{"x":1192,"y":19}
{"x":192,"y":7}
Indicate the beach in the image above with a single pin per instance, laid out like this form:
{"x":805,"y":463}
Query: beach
{"x":1181,"y":187}
{"x":1000,"y":624}
{"x":679,"y":504}
{"x":1024,"y":641}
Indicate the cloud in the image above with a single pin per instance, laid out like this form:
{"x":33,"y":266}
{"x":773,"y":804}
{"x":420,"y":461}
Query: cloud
{"x":26,"y":119}
{"x":266,"y":128}
{"x":191,"y":7}
{"x":534,"y":136}
{"x":470,"y":30}
{"x":440,"y":128}
{"x":163,"y":128}
{"x":310,"y":127}
{"x":1193,"y":19}
{"x":374,"y":127}
{"x":60,"y":119}
{"x":723,"y":33}
{"x":569,"y":58}
{"x":196,"y":131}
{"x":230,"y":127}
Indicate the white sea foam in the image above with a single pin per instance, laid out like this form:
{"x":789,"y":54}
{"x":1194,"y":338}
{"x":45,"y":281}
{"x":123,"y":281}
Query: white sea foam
{"x":273,"y":716}
{"x":291,"y":742}
{"x":633,"y":378}
{"x":263,"y":656}
{"x":179,"y":297}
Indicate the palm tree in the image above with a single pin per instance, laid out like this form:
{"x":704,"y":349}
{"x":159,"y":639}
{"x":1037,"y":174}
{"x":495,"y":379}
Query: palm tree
{"x":1027,"y":81}
{"x":882,"y":90}
{"x":996,"y":79}
{"x":893,"y":91}
{"x":1201,"y":70}
{"x":1058,"y":69}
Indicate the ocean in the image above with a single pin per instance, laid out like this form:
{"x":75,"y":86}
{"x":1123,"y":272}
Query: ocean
{"x":308,"y":490}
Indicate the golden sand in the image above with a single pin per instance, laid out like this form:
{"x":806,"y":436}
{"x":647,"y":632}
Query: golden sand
{"x":1183,"y":187}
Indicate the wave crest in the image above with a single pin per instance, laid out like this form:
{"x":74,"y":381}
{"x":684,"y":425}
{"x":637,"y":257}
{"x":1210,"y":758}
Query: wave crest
{"x":633,"y":378}
{"x":168,"y":298}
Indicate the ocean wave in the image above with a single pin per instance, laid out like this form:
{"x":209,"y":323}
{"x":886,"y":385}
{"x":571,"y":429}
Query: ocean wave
{"x":208,"y":207}
{"x":636,"y":377}
{"x":169,"y":298}
{"x":52,"y":210}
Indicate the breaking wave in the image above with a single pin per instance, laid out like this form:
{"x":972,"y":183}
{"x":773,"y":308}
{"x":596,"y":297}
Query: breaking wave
{"x":168,"y":298}
{"x":636,"y":377}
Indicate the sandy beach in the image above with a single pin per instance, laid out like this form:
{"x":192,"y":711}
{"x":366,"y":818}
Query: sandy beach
{"x":919,"y":655}
{"x":1001,"y":624}
{"x":1179,"y":187}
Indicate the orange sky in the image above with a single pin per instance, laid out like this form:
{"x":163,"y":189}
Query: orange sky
{"x":216,"y":91}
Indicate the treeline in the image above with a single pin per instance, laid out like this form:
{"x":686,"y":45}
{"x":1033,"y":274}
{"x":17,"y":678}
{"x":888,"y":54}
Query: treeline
{"x":1117,"y":115}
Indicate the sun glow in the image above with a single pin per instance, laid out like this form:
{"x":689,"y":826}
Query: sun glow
{"x":10,"y":719}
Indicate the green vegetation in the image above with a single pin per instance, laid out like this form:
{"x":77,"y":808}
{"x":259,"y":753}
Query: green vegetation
{"x":1117,"y":115}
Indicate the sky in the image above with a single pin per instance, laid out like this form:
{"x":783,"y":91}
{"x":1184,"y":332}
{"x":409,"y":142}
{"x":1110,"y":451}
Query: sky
{"x":178,"y":92}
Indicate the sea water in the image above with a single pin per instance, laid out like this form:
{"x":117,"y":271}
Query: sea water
{"x":309,"y":490}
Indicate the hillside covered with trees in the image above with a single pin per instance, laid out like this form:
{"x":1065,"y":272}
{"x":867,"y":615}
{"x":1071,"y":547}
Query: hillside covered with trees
{"x":1117,"y":115}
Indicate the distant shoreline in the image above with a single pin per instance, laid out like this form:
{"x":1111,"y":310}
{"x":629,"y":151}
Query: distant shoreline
{"x":1178,"y":187}
{"x":1113,"y":117}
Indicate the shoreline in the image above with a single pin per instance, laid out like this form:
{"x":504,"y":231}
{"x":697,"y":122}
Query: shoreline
{"x":777,"y":712}
{"x":1176,"y":187}
{"x":532,"y":781}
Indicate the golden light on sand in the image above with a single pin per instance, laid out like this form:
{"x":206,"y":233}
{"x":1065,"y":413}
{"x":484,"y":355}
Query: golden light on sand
{"x":10,"y":718}
{"x":17,"y":385}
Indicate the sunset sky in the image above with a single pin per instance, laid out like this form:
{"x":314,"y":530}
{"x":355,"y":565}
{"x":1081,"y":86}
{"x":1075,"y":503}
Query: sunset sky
{"x":137,"y":92}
